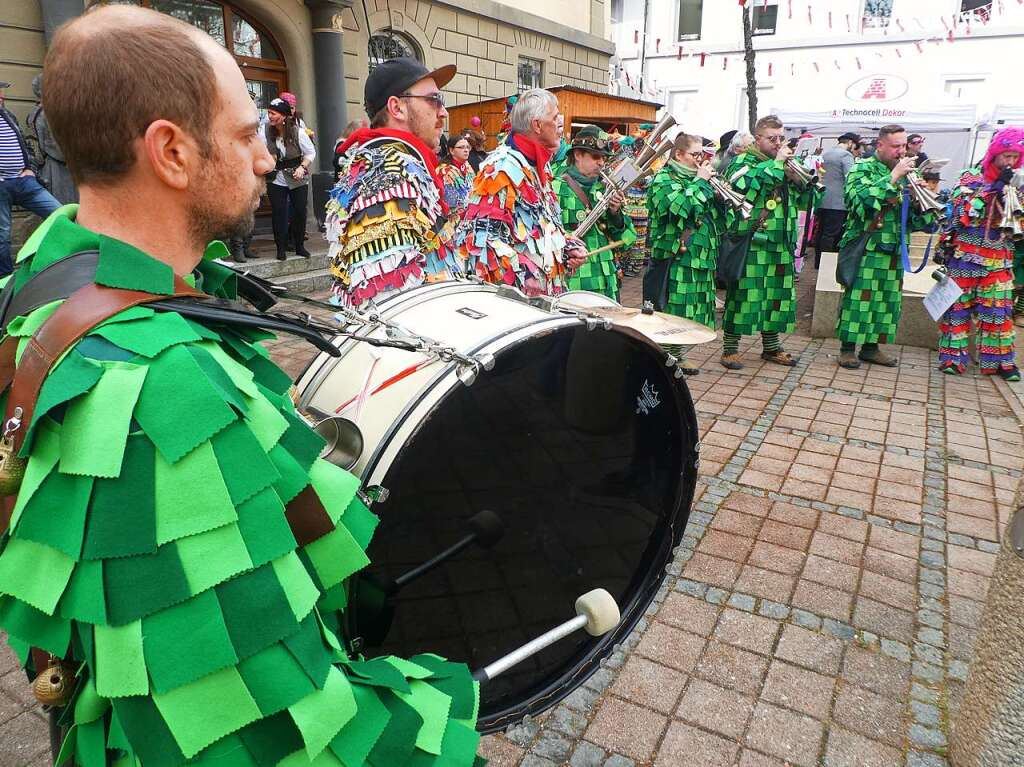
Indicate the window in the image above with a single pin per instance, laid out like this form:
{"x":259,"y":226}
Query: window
{"x":877,"y":14}
{"x":529,"y":73}
{"x":766,"y":16}
{"x":206,"y":15}
{"x":690,"y":12}
{"x":979,"y":11}
{"x":970,"y":89}
{"x":616,"y":11}
{"x":683,"y":104}
{"x":248,"y":42}
{"x":388,"y":44}
{"x":763,"y":107}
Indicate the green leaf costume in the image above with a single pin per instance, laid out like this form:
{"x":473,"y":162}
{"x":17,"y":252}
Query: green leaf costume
{"x":870,"y":311}
{"x":678,"y":201}
{"x":764,"y":299}
{"x":597,"y":273}
{"x":177,"y":533}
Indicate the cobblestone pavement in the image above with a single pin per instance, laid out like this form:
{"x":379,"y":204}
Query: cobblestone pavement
{"x":822,"y":607}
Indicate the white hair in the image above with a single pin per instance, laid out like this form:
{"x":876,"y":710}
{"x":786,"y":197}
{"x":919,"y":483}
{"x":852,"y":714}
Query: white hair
{"x":530,"y":106}
{"x":739,"y":140}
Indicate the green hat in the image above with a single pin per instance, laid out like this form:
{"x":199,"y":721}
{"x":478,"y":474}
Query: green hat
{"x":592,"y":139}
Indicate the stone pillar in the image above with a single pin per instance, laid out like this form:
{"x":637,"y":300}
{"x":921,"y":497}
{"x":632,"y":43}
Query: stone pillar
{"x":328,"y":75}
{"x":56,"y":12}
{"x":989,"y":730}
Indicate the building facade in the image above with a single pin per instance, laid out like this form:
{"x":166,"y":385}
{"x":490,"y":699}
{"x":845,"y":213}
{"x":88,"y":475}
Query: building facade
{"x":818,"y":55}
{"x":322,"y":50}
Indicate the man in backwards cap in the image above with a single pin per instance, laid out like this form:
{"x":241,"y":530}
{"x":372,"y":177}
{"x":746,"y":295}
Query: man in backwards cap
{"x":386,"y":220}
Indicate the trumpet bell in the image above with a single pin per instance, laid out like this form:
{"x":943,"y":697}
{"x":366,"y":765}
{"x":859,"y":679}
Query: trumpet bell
{"x":343,"y":439}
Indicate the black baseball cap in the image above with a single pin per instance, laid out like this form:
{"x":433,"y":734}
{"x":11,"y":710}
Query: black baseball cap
{"x":281,"y":106}
{"x":855,"y":138}
{"x":394,"y":76}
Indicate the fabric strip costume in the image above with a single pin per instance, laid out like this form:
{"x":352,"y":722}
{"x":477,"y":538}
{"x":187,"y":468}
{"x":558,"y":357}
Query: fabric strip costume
{"x":177,"y":535}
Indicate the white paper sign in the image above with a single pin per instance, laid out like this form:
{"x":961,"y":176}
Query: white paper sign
{"x":941,"y":297}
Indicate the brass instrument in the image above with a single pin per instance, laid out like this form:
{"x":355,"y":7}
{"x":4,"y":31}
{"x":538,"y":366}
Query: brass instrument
{"x":806,"y":179}
{"x":923,"y":197}
{"x":1012,"y":222}
{"x":732,"y":198}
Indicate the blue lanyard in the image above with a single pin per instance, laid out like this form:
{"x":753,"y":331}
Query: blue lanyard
{"x":904,"y":250}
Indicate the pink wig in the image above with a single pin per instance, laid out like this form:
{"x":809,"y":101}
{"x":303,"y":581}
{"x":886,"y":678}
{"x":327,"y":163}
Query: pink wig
{"x":289,"y":97}
{"x":1006,"y":140}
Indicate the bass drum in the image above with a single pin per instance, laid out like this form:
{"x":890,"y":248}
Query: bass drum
{"x":582,"y":441}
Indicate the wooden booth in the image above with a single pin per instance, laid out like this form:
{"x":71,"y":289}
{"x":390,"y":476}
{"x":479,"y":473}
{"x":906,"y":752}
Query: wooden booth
{"x":580,"y":107}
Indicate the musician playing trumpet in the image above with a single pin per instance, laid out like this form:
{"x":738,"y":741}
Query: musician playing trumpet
{"x":686,"y":221}
{"x":579,"y":187}
{"x":981,"y":256}
{"x":871,"y":306}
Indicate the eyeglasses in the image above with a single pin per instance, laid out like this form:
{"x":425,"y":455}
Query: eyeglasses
{"x":773,"y":139}
{"x":436,"y":98}
{"x":696,"y":155}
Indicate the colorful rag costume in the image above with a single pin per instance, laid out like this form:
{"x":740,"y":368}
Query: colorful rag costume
{"x":982,"y":264}
{"x":511,"y":233}
{"x":387,"y":222}
{"x":457,"y":180}
{"x":599,"y":272}
{"x":635,"y":258}
{"x":870,"y":310}
{"x":177,"y":534}
{"x":764,"y":298}
{"x":685,"y":226}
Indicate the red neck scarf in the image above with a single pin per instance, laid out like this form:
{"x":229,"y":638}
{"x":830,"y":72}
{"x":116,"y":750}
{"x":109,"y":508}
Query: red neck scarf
{"x":363,"y":135}
{"x":533,"y":152}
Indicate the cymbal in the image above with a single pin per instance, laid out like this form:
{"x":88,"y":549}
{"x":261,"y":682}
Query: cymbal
{"x":660,"y":327}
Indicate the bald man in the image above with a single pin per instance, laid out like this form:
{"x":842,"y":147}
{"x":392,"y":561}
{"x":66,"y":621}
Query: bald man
{"x":176,"y":536}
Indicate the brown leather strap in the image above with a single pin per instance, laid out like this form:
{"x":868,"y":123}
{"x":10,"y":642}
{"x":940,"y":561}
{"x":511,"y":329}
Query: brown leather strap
{"x":83,"y":310}
{"x":578,"y":191}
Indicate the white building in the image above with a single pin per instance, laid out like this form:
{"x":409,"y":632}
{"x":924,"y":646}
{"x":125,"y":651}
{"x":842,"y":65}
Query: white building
{"x":939,"y":67}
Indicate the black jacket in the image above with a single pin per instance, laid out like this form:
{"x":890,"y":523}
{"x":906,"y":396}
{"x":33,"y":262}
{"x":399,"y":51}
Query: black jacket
{"x":30,"y":160}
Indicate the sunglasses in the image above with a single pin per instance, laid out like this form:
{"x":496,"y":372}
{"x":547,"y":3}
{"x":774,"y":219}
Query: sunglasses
{"x":773,"y":139}
{"x":436,"y":99}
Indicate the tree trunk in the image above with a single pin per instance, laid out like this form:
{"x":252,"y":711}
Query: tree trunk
{"x":748,"y":56}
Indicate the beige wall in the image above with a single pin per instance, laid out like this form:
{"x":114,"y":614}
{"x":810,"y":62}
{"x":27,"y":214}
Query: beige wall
{"x":21,"y":52}
{"x":572,"y":13}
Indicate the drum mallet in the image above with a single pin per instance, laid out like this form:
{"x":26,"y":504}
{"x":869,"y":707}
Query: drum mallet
{"x":596,"y":611}
{"x":487,"y":529}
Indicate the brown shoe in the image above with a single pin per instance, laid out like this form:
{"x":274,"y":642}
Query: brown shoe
{"x":687,"y":367}
{"x":780,"y":357}
{"x":878,"y":357}
{"x":849,"y":360}
{"x":731,"y":362}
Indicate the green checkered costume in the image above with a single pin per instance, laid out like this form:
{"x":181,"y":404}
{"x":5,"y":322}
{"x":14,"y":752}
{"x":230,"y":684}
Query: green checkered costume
{"x":678,"y":201}
{"x":764,"y":298}
{"x":870,"y":312}
{"x":177,"y":533}
{"x":597,"y":273}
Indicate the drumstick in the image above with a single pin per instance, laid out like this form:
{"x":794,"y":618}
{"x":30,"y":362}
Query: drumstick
{"x":603,"y":248}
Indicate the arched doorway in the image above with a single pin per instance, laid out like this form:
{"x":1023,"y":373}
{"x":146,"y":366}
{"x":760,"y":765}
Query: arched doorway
{"x":255,"y":50}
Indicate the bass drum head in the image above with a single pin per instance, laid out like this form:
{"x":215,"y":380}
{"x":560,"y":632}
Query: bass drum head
{"x":585,"y":446}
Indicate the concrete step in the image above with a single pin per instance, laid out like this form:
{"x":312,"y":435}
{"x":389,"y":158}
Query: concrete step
{"x":269,"y":268}
{"x":312,"y":281}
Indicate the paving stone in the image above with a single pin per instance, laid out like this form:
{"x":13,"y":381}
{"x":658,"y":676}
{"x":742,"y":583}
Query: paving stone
{"x":567,"y":722}
{"x":797,"y":688}
{"x":649,"y":684}
{"x":806,"y":619}
{"x":848,"y":749}
{"x":870,"y":714}
{"x":927,"y":736}
{"x":684,"y":744}
{"x":810,"y":649}
{"x":523,"y":733}
{"x":587,"y":755}
{"x":715,"y":708}
{"x":919,"y":759}
{"x":552,"y":746}
{"x":532,"y":760}
{"x":671,"y":647}
{"x":878,"y":673}
{"x":750,"y":632}
{"x":795,"y":738}
{"x":617,"y":760}
{"x":775,"y":610}
{"x":626,"y":728}
{"x":925,"y":713}
{"x":581,"y":699}
{"x":731,"y":667}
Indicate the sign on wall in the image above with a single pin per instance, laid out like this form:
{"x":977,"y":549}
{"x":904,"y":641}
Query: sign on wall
{"x":877,"y":88}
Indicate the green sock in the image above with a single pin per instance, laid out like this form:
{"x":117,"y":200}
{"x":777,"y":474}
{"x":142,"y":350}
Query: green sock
{"x":770,"y":342}
{"x":730,"y":343}
{"x":676,"y":350}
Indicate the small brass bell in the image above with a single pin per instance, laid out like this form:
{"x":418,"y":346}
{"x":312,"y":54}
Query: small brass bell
{"x":12,"y":466}
{"x":53,"y":687}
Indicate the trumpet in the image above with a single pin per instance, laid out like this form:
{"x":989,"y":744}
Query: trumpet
{"x":732,"y":198}
{"x":1012,"y":222}
{"x":802,"y":177}
{"x":923,"y":197}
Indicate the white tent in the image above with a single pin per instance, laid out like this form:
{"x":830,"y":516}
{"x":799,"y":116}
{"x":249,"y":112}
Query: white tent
{"x":1003,"y":115}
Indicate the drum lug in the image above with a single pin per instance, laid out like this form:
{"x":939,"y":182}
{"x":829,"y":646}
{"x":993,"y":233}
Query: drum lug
{"x":374,"y":494}
{"x":467,"y":374}
{"x":485,"y":360}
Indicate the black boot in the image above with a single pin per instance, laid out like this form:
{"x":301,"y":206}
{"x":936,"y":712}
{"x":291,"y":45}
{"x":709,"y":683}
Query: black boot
{"x":247,"y":250}
{"x":300,"y":249}
{"x":282,"y":254}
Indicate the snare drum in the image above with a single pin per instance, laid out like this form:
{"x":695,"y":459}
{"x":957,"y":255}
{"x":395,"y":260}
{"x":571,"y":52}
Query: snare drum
{"x":580,"y":438}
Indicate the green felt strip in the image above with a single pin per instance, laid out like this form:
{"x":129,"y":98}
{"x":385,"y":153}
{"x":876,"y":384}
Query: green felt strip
{"x":56,"y":514}
{"x":60,"y":228}
{"x":302,"y":759}
{"x":265,"y":421}
{"x":131,"y":313}
{"x":191,"y":496}
{"x":334,"y":599}
{"x":212,"y":557}
{"x":45,"y":454}
{"x":122,"y":514}
{"x":34,"y":573}
{"x":226,"y":752}
{"x":149,"y":336}
{"x":148,"y":732}
{"x":336,"y":556}
{"x":120,"y":663}
{"x":83,"y":599}
{"x":207,"y":709}
{"x":397,"y":742}
{"x":239,"y":374}
{"x":264,"y":528}
{"x":22,"y":650}
{"x":187,"y":641}
{"x":270,"y":740}
{"x":267,"y":373}
{"x":89,"y":706}
{"x":360,"y":521}
{"x":239,"y":346}
{"x":433,"y":706}
{"x":292,"y":478}
{"x":179,"y":408}
{"x":73,"y":375}
{"x":27,"y":325}
{"x":91,"y":745}
{"x":219,"y":378}
{"x":116,"y":737}
{"x":255,"y":610}
{"x":101,"y":350}
{"x":243,"y":463}
{"x":34,"y":627}
{"x":460,"y":742}
{"x":357,"y":738}
{"x":123,"y":266}
{"x":203,"y":332}
{"x":463,"y":693}
{"x":307,"y":646}
{"x":302,"y":442}
{"x":139,"y":586}
{"x":380,"y":672}
{"x":275,"y":679}
{"x":321,"y":714}
{"x":408,"y":669}
{"x":82,"y":643}
{"x":298,"y":587}
{"x":335,"y":486}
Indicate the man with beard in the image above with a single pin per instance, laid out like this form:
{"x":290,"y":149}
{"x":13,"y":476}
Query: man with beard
{"x":387,"y":221}
{"x":870,"y":311}
{"x":177,"y":552}
{"x":512,"y":232}
{"x":579,"y":188}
